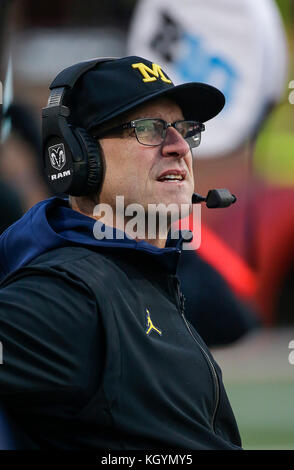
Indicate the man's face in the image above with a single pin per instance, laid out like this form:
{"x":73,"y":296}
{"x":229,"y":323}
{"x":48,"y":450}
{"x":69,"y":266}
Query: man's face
{"x":136,"y":171}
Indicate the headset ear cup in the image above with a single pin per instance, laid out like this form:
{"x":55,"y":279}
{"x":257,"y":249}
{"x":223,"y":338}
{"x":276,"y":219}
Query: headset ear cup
{"x":95,"y":165}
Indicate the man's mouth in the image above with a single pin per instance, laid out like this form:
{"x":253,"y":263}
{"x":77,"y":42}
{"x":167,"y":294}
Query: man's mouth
{"x":172,"y":176}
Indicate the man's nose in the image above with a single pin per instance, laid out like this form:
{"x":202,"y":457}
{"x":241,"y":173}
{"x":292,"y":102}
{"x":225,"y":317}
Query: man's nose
{"x":174,"y":145}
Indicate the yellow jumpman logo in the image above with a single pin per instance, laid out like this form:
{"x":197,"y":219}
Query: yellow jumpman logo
{"x":150,"y":325}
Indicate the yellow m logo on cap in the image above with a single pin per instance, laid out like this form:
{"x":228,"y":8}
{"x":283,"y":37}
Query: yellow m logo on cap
{"x":150,"y":75}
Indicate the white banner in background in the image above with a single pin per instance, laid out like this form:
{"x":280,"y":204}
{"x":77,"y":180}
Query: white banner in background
{"x":239,"y":47}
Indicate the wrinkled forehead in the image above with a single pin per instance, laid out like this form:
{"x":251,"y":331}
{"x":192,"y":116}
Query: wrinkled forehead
{"x":160,"y":107}
{"x":164,"y":108}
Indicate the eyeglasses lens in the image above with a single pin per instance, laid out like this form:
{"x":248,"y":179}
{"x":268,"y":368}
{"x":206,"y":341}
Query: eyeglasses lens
{"x":190,"y":131}
{"x":150,"y":131}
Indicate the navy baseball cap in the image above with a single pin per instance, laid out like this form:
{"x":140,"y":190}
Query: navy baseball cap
{"x":119,"y":85}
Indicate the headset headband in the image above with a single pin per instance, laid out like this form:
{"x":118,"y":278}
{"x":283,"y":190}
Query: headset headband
{"x":70,"y":157}
{"x":68,"y":77}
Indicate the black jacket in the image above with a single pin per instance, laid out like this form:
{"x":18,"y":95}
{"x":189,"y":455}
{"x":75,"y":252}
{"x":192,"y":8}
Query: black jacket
{"x":98,"y":354}
{"x":219,"y":316}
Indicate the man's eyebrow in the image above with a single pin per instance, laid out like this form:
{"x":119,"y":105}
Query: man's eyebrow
{"x":154,"y":116}
{"x":139,"y":116}
{"x":144,"y":116}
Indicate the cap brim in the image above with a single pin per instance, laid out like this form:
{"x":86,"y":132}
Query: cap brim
{"x":198,"y":101}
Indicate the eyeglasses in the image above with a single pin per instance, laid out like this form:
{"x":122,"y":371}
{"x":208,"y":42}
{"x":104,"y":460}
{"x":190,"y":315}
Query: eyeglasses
{"x":152,"y":132}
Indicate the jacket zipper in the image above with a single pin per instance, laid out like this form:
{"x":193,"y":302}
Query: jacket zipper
{"x":180,"y":302}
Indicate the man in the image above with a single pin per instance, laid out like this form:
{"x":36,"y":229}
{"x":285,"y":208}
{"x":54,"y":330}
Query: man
{"x":97,"y":350}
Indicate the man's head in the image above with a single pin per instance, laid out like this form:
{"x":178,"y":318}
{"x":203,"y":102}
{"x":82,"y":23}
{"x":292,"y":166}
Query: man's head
{"x":147,"y":162}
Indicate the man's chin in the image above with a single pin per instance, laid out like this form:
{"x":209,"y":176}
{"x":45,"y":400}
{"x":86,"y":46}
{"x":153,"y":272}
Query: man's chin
{"x":179,"y":202}
{"x":171,"y":208}
{"x":174,"y":194}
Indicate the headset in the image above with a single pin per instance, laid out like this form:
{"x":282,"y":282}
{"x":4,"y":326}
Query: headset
{"x":71,"y":156}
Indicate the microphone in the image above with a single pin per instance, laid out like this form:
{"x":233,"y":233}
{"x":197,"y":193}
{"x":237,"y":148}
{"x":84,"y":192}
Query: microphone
{"x":215,"y":198}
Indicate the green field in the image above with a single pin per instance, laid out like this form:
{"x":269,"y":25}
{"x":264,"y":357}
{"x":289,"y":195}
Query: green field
{"x":265,"y":414}
{"x":260,"y":384}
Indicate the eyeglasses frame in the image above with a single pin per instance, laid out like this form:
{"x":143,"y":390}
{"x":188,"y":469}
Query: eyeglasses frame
{"x":132,"y":125}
